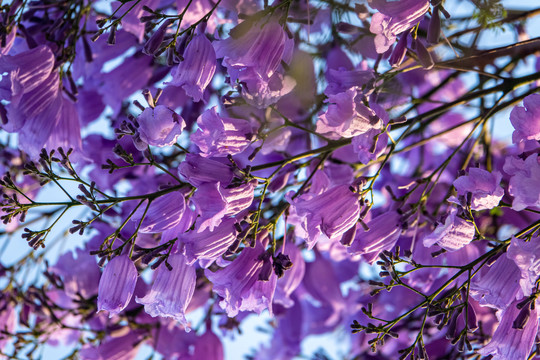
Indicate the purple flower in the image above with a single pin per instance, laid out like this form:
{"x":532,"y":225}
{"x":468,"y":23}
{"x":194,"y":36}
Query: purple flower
{"x":484,"y":187}
{"x":262,"y":93}
{"x":454,"y":234}
{"x":164,"y":213}
{"x":116,"y":285}
{"x":526,"y":255}
{"x":525,"y":177}
{"x":172,"y":290}
{"x":239,"y":285}
{"x":214,"y":202}
{"x":261,"y":48}
{"x":198,"y":170}
{"x":197,"y":69}
{"x":159,"y":126}
{"x":331,"y":213}
{"x":393,"y":18}
{"x":509,"y":343}
{"x":384,"y":231}
{"x":526,"y":119}
{"x":221,"y":136}
{"x":347,"y":116}
{"x":499,"y":286}
{"x":372,"y":143}
{"x":208,"y":245}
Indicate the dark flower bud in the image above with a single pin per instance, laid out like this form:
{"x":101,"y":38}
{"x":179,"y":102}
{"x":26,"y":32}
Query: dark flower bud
{"x":281,"y":264}
{"x":434,"y":29}
{"x":424,"y":57}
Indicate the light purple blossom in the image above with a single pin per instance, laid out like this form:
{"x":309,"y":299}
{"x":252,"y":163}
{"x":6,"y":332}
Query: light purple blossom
{"x":239,"y":286}
{"x":159,"y":126}
{"x":197,"y":69}
{"x":499,"y":286}
{"x":331,"y":213}
{"x":509,"y":343}
{"x":526,"y":255}
{"x":393,"y":18}
{"x":172,"y":290}
{"x":384,"y":231}
{"x":209,"y":244}
{"x":526,"y":119}
{"x":347,"y":116}
{"x":208,"y":346}
{"x":220,"y":136}
{"x":198,"y":170}
{"x":484,"y":187}
{"x":117,"y":285}
{"x":454,"y":234}
{"x":525,"y":177}
{"x":164,"y":213}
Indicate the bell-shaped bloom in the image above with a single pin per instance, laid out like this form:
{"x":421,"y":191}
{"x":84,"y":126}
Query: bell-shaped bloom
{"x":484,"y":187}
{"x":347,"y":116}
{"x":197,"y":69}
{"x":454,"y":234}
{"x":499,"y":286}
{"x":221,"y":136}
{"x":239,"y":285}
{"x":117,"y":285}
{"x":526,"y":119}
{"x":340,"y":80}
{"x":208,"y":245}
{"x":331,"y":213}
{"x":208,"y":346}
{"x":369,"y":145}
{"x":526,"y":255}
{"x":214,"y":202}
{"x":393,"y":18}
{"x":509,"y":343}
{"x":159,"y":126}
{"x":525,"y":177}
{"x":257,"y":46}
{"x":172,"y":290}
{"x":384,"y":231}
{"x":198,"y":170}
{"x":67,"y":132}
{"x":260,"y":92}
{"x":164,"y":213}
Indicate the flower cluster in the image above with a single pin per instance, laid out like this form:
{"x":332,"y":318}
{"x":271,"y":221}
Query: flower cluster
{"x":333,"y":165}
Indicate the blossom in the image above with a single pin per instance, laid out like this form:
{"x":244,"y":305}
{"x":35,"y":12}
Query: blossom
{"x":116,"y":285}
{"x":208,"y":346}
{"x":454,"y":234}
{"x":526,"y":119}
{"x":526,"y":255}
{"x":163,"y":213}
{"x":198,"y":170}
{"x":197,"y":69}
{"x":525,"y":177}
{"x":221,"y":136}
{"x":331,"y":213}
{"x":159,"y":126}
{"x":384,"y":231}
{"x":484,"y":187}
{"x":239,"y":285}
{"x":508,"y":342}
{"x":347,"y":116}
{"x":209,"y":244}
{"x":172,"y":290}
{"x":393,"y":18}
